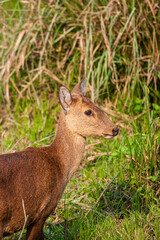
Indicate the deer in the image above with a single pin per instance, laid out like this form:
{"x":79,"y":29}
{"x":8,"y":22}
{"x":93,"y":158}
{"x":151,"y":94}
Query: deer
{"x":32,"y":181}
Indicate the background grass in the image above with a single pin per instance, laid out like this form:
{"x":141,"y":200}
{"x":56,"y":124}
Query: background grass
{"x":115,"y":194}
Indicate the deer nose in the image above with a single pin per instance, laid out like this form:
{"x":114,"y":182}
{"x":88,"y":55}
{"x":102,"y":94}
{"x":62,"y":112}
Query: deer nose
{"x":115,"y":131}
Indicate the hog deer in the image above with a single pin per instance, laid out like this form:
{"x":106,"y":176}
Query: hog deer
{"x":34,"y":178}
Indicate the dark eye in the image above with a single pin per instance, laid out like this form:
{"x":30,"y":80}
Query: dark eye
{"x":88,"y":113}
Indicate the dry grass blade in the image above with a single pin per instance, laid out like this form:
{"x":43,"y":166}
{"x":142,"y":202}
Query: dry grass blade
{"x":31,"y":82}
{"x":25,"y":220}
{"x":122,"y":31}
{"x":106,"y":41}
{"x":53,"y":76}
{"x":11,"y":58}
{"x":47,"y":35}
{"x":106,"y":187}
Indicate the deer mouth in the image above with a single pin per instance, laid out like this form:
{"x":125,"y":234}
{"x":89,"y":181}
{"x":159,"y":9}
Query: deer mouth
{"x":108,"y":136}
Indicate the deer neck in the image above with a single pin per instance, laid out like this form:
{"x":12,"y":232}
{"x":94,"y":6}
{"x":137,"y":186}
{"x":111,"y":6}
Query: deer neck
{"x":69,"y":147}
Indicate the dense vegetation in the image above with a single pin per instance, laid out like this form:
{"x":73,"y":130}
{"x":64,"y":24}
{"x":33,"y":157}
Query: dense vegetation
{"x":116,"y":44}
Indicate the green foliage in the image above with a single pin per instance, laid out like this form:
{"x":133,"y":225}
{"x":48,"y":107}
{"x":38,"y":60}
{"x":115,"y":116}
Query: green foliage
{"x":45,"y":44}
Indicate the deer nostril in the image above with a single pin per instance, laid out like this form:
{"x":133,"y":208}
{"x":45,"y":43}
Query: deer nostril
{"x":115,"y":131}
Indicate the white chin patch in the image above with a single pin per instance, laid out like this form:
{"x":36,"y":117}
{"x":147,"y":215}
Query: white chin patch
{"x":108,"y":136}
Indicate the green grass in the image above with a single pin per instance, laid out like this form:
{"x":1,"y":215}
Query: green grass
{"x":115,"y":194}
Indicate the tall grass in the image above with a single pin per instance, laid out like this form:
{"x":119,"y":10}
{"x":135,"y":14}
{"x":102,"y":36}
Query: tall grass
{"x":115,"y":44}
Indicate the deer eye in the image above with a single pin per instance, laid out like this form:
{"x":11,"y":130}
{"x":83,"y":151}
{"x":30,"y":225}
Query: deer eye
{"x":88,"y":113}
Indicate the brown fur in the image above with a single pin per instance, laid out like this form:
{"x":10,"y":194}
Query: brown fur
{"x":38,"y":176}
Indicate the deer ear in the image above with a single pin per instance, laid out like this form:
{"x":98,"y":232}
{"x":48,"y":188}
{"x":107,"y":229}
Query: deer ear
{"x":79,"y":88}
{"x":65,"y":99}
